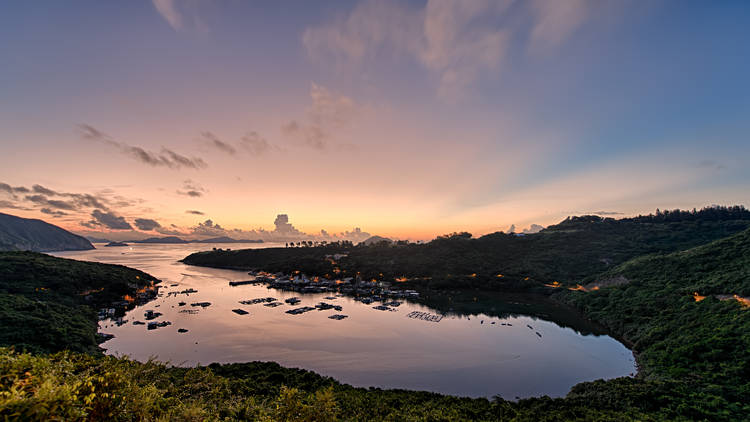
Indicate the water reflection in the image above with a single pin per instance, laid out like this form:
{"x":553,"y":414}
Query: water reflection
{"x":481,"y":355}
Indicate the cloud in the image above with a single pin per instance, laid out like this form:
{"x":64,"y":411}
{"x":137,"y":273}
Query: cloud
{"x":4,"y":187}
{"x":168,"y":10}
{"x":192,"y":189}
{"x":218,"y":143}
{"x":208,"y":228}
{"x":53,"y":203}
{"x":165,"y":158}
{"x":44,"y":191}
{"x":711,"y":164}
{"x":169,"y":232}
{"x":456,"y":41}
{"x":146,"y":224}
{"x":254,"y":143}
{"x":108,"y":220}
{"x":555,"y":21}
{"x":534,"y":228}
{"x":53,"y":213}
{"x":328,"y":111}
{"x":10,"y":205}
{"x":283,"y":227}
{"x":195,"y":212}
{"x":181,"y":14}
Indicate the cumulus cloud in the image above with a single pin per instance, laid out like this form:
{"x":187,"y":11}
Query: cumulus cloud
{"x":192,"y":189}
{"x":534,"y":228}
{"x":454,"y":40}
{"x":217,"y":143}
{"x":283,"y":227}
{"x":146,"y":224}
{"x":283,"y":231}
{"x":195,"y":212}
{"x":165,"y":158}
{"x":328,"y":111}
{"x":109,"y":220}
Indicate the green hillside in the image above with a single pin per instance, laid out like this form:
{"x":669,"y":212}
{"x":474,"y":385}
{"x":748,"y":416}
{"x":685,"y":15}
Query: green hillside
{"x":49,"y":304}
{"x":703,"y":342}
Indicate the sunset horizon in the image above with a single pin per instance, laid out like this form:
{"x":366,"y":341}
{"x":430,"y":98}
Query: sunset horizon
{"x":430,"y":119}
{"x":375,"y":210}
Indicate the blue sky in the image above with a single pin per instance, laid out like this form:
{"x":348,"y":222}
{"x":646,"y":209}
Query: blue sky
{"x":408,"y":118}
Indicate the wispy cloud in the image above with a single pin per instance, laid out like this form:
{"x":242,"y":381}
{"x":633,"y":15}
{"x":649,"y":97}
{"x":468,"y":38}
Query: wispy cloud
{"x":255,"y":144}
{"x":555,"y":21}
{"x":217,"y":143}
{"x":168,"y":10}
{"x":455,"y":40}
{"x":166,"y":157}
{"x":328,"y":112}
{"x":195,"y":212}
{"x":181,"y":15}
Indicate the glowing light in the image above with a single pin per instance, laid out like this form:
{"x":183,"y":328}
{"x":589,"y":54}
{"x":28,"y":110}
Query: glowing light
{"x":698,"y":297}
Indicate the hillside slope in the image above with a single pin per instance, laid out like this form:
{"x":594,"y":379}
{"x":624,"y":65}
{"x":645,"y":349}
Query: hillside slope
{"x":49,"y":304}
{"x":568,"y":252}
{"x":25,"y":234}
{"x":703,"y":339}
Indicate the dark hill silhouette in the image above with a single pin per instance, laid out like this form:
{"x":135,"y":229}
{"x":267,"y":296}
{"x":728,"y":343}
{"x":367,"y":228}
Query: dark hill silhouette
{"x":25,"y":234}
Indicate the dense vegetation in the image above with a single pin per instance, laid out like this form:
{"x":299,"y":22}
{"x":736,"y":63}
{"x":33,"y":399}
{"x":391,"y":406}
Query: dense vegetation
{"x":694,"y":354}
{"x":49,"y":304}
{"x":568,"y":252}
{"x":703,"y":342}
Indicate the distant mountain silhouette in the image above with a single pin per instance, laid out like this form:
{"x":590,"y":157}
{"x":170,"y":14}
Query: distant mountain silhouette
{"x":167,"y":239}
{"x":24,"y":234}
{"x":225,"y":239}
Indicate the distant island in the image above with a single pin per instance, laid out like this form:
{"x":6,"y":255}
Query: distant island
{"x":177,"y":240}
{"x":116,"y":244}
{"x":25,"y":234}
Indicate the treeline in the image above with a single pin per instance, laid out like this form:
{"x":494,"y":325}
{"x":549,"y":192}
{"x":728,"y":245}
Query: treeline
{"x":570,"y":252}
{"x":712,"y":213}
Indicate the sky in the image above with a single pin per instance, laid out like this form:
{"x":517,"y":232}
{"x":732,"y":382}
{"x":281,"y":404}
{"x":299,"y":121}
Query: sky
{"x":406,"y":119}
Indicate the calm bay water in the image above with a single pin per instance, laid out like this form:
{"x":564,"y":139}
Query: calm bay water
{"x":460,"y":355}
